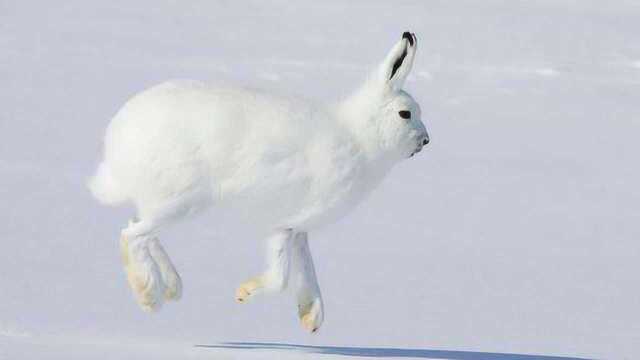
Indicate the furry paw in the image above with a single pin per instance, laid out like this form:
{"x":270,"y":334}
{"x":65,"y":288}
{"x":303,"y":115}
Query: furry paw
{"x":248,"y":289}
{"x":143,"y":275}
{"x":170,"y":277}
{"x":311,"y":315}
{"x":173,"y":290}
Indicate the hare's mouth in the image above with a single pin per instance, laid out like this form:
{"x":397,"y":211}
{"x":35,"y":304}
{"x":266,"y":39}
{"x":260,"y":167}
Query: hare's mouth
{"x":417,"y":150}
{"x":421,"y":143}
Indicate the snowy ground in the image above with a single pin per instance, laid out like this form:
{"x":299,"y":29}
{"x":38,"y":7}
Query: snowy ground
{"x":515,"y":232}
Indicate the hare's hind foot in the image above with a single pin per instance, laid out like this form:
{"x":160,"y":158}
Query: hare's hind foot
{"x":149,"y":270}
{"x":170,"y":277}
{"x":142,"y":272}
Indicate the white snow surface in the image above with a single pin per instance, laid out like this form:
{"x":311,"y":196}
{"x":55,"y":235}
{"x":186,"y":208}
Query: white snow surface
{"x":515,"y":231}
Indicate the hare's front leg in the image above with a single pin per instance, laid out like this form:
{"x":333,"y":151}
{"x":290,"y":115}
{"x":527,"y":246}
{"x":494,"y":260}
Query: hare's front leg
{"x":310,"y":307}
{"x":150,"y":273}
{"x":277,"y":274}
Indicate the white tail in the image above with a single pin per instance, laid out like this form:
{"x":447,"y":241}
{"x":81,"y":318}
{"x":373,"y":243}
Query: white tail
{"x":104,"y":187}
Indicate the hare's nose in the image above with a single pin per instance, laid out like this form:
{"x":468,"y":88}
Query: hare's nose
{"x":425,"y":139}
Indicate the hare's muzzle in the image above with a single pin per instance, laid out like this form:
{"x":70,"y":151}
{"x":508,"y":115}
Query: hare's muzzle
{"x":422,"y":142}
{"x":425,"y":140}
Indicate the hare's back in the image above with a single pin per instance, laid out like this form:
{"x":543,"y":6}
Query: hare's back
{"x":185,"y":135}
{"x":190,"y":113}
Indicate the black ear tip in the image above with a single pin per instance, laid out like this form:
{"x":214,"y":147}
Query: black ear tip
{"x":407,"y":35}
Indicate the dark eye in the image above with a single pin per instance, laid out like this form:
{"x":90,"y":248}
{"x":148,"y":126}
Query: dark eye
{"x":405,"y":114}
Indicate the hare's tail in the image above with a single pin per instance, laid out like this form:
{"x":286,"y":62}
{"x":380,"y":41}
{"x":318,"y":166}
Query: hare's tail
{"x":105,"y":188}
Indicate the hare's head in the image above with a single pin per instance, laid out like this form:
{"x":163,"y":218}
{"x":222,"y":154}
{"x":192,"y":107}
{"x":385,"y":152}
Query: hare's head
{"x":389,"y":117}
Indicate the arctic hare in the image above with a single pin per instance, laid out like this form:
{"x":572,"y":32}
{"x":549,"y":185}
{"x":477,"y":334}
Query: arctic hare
{"x":290,"y":165}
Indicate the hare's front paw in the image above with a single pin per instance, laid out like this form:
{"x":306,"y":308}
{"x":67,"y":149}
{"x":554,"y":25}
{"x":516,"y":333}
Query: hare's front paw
{"x":311,"y":314}
{"x":248,"y":289}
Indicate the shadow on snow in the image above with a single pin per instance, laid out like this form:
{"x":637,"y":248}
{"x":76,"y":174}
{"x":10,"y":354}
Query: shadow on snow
{"x":385,"y":352}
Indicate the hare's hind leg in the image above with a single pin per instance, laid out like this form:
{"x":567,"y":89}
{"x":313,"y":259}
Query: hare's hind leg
{"x":310,"y":307}
{"x":276,"y":276}
{"x":150,"y":273}
{"x":170,"y":277}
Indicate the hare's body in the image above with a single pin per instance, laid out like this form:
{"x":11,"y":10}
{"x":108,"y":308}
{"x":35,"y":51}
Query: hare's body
{"x":181,"y":146}
{"x":287,"y":165}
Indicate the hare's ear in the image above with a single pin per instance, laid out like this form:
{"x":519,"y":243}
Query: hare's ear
{"x":393,"y":71}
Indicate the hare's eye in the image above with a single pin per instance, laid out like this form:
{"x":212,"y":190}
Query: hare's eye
{"x":405,"y":114}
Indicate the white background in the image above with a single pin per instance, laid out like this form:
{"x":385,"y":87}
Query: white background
{"x":516,"y":230}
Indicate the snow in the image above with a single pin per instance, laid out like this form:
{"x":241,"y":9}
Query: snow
{"x":514,"y":232}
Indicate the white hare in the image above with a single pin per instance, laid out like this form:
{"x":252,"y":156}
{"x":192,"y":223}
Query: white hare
{"x":288,"y":165}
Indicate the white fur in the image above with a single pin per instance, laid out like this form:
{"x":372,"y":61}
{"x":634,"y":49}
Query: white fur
{"x":310,"y":306}
{"x":276,"y":277}
{"x":288,"y":165}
